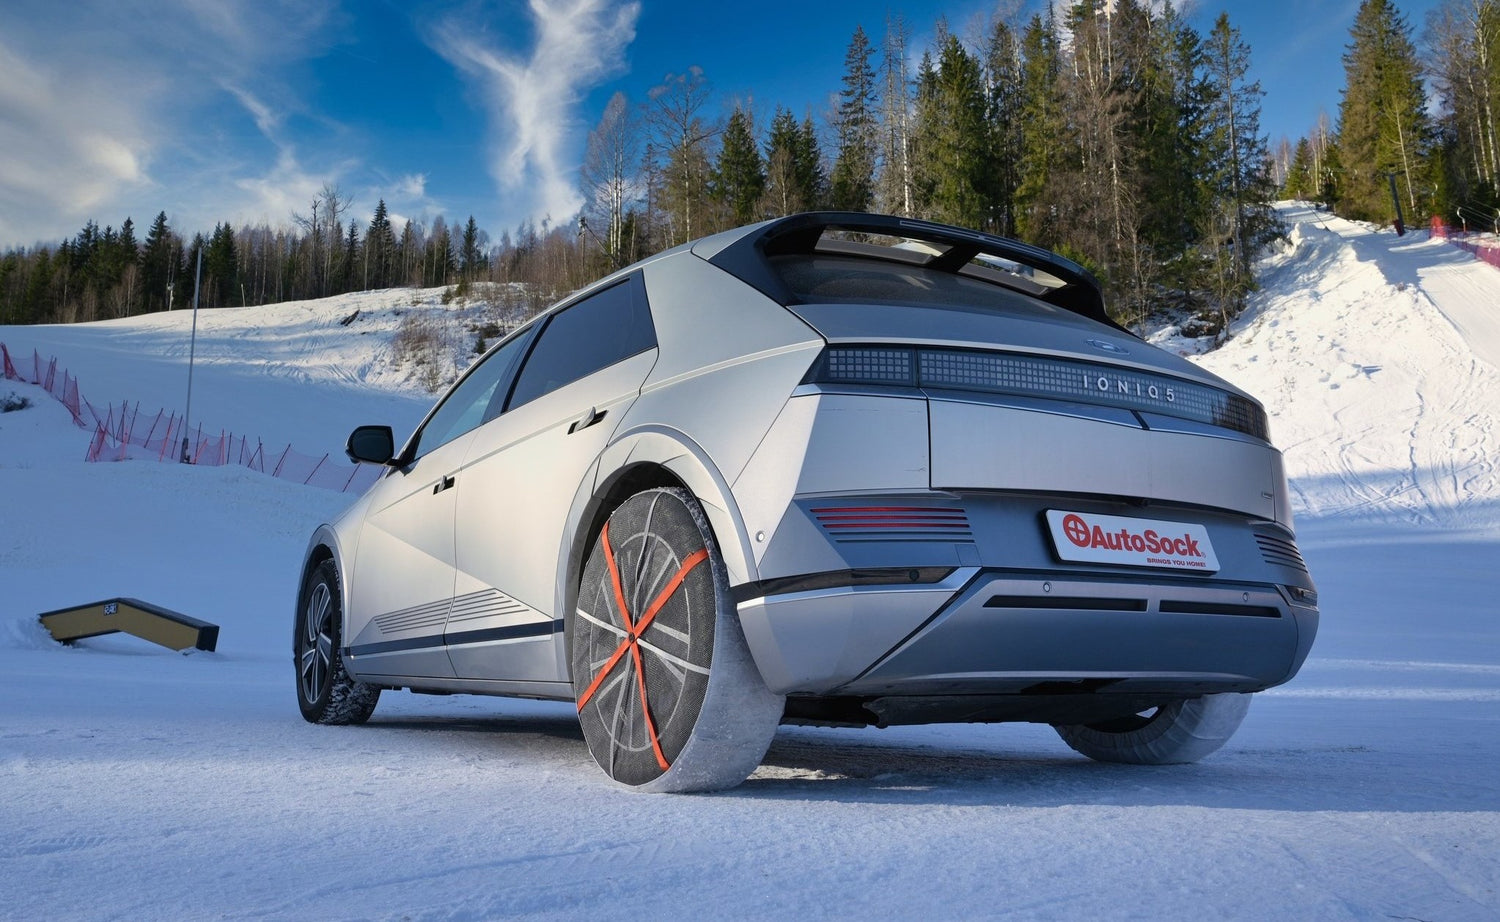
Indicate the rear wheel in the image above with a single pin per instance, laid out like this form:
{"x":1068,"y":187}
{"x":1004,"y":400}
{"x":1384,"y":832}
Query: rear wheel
{"x":1179,"y":731}
{"x":325,"y":691}
{"x":668,"y":696}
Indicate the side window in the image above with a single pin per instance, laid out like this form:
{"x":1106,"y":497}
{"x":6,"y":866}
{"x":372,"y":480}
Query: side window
{"x":597,"y":332}
{"x":468,"y":404}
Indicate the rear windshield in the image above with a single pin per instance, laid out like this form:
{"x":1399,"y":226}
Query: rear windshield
{"x":819,"y":278}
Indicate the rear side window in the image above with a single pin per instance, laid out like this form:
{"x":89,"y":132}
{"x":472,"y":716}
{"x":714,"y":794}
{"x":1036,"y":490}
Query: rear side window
{"x":602,"y":329}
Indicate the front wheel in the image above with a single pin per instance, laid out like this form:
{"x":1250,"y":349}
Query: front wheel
{"x":668,"y":696}
{"x":1175,"y":732}
{"x":326,"y":693}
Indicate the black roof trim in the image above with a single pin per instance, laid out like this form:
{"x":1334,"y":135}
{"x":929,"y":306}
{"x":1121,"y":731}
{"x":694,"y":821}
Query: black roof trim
{"x":746,"y":258}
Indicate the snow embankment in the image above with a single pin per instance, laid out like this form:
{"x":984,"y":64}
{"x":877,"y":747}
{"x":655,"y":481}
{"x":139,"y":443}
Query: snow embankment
{"x":303,"y":373}
{"x":1378,"y":358}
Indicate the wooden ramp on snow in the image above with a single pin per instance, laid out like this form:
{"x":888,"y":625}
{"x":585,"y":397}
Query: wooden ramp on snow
{"x":132,"y":616}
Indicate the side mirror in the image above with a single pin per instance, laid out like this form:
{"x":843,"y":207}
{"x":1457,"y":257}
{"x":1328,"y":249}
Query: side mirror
{"x":371,"y":444}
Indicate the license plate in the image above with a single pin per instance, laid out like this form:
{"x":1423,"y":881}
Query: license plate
{"x":1087,"y":537}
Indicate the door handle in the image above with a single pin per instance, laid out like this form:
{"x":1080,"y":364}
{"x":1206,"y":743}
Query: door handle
{"x":586,"y":420}
{"x":445,"y":484}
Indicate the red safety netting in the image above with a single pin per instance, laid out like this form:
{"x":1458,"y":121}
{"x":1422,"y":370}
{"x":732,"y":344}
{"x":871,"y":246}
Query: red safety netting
{"x":1485,"y":247}
{"x":45,"y":376}
{"x":125,"y":433}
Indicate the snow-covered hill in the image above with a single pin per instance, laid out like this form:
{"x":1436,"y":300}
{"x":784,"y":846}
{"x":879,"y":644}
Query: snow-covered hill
{"x":140,"y":784}
{"x":1378,"y":358}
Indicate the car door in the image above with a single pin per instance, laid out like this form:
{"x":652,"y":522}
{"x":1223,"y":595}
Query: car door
{"x":401,"y":585}
{"x":522,"y":473}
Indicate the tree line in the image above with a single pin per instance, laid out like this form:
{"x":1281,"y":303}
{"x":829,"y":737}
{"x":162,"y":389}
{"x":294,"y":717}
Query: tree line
{"x":109,"y":273}
{"x":1115,"y":133}
{"x":1390,"y":148}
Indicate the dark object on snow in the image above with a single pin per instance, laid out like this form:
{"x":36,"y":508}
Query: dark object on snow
{"x":150,"y":622}
{"x":349,"y":319}
{"x":12,"y":402}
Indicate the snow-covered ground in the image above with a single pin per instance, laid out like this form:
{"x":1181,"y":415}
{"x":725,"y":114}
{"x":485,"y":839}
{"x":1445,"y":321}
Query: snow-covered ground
{"x":141,"y":784}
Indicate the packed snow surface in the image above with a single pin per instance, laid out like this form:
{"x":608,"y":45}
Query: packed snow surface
{"x":137,"y":783}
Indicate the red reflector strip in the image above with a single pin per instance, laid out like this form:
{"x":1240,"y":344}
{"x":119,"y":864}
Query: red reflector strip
{"x":893,"y":523}
{"x":894,"y":517}
{"x":896,"y":523}
{"x":937,"y":510}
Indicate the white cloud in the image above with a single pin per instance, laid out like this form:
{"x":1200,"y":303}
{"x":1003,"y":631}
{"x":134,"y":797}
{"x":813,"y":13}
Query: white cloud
{"x":127,"y":115}
{"x":412,"y":186}
{"x":533,"y":99}
{"x":69,"y":145}
{"x":266,"y":119}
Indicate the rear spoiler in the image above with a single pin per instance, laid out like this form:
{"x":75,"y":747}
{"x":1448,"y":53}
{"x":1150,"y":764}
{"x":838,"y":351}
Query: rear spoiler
{"x":747,"y":258}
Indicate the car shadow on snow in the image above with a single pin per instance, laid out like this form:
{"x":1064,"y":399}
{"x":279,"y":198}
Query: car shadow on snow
{"x":1035,"y":770}
{"x":1306,"y":778}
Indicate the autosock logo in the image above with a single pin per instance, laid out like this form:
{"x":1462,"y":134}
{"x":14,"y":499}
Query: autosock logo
{"x":1149,"y":541}
{"x":1133,"y":542}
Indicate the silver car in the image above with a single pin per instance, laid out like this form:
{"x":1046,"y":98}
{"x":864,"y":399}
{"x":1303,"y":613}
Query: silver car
{"x":836,"y":469}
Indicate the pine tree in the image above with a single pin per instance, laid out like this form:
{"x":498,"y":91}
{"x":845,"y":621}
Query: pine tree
{"x":349,"y":272}
{"x":380,"y":247}
{"x":1170,"y":127}
{"x":1383,"y":126}
{"x":1239,"y":169}
{"x":408,"y":260}
{"x":220,"y":269}
{"x":952,"y":121}
{"x":1300,"y":182}
{"x":128,"y":248}
{"x":158,"y":264}
{"x":739,"y":176}
{"x":1041,"y":132}
{"x":1002,"y":77}
{"x":125,"y":272}
{"x":1244,"y":189}
{"x":783,"y":193}
{"x":853,"y":181}
{"x":471,"y":252}
{"x":812,"y":181}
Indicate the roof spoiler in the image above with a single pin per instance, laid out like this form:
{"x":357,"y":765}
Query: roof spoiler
{"x":745,"y":258}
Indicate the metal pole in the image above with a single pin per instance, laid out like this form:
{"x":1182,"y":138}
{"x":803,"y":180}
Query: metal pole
{"x":1396,"y":200}
{"x":192,"y":349}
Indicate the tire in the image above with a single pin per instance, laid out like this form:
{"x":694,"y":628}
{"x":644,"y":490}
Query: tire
{"x":326,"y":693}
{"x":1176,"y":732}
{"x":668,"y":695}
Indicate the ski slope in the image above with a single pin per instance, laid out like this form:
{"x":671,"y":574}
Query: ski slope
{"x":1378,"y":359}
{"x":140,"y":784}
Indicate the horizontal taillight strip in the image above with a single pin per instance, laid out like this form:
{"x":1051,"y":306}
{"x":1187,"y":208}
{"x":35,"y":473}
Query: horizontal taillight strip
{"x":1039,"y":376}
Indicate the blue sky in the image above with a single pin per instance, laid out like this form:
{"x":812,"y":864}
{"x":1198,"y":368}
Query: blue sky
{"x":242,"y":110}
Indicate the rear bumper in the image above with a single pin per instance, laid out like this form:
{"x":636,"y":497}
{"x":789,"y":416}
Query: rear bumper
{"x":1041,"y":633}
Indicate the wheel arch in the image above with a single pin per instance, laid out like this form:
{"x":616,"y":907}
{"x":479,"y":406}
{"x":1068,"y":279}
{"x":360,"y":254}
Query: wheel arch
{"x":323,"y":545}
{"x":638,"y":460}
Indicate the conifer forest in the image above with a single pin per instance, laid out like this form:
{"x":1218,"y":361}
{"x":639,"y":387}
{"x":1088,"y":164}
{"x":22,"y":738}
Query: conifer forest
{"x":1115,"y":133}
